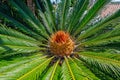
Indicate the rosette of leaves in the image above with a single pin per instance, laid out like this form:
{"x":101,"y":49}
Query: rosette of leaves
{"x":25,"y":51}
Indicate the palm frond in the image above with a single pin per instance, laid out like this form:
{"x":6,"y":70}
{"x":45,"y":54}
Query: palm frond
{"x":21,"y":13}
{"x":103,"y":41}
{"x":7,"y":65}
{"x":18,"y":25}
{"x":11,"y":32}
{"x":78,"y":10}
{"x":64,"y":10}
{"x":50,"y":15}
{"x":35,"y":72}
{"x":77,"y":71}
{"x":84,"y":68}
{"x":91,"y":13}
{"x":113,"y":56}
{"x":105,"y":65}
{"x":111,"y":33}
{"x":20,"y":69}
{"x":103,"y":24}
{"x":57,"y":74}
{"x":50,"y":73}
{"x":65,"y":72}
{"x":8,"y":40}
{"x":9,"y":50}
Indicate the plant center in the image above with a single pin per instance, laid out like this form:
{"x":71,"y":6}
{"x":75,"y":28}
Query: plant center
{"x":61,"y":44}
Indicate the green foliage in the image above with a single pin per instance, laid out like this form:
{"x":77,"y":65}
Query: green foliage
{"x":65,"y":72}
{"x":35,"y":72}
{"x":50,"y":73}
{"x":105,"y":65}
{"x":24,"y":41}
{"x":83,"y":67}
{"x":19,"y":67}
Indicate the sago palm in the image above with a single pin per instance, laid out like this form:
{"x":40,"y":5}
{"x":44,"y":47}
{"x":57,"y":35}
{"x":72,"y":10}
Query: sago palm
{"x":58,"y":42}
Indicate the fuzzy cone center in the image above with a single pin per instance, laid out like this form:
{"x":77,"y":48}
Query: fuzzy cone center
{"x":61,"y":44}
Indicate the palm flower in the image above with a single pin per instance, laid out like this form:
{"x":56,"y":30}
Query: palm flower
{"x":58,"y":43}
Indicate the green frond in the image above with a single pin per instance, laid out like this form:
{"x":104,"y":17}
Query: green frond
{"x":104,"y":48}
{"x":50,"y":73}
{"x":78,"y":73}
{"x":65,"y":73}
{"x":15,"y":61}
{"x":9,"y":50}
{"x":23,"y":6}
{"x":112,"y":61}
{"x":105,"y":65}
{"x":20,"y":26}
{"x":45,"y":21}
{"x":11,"y":32}
{"x":75,"y":72}
{"x":35,"y":72}
{"x":8,"y":40}
{"x":57,"y":74}
{"x":90,"y":14}
{"x":69,"y":68}
{"x":14,"y":5}
{"x":102,"y":24}
{"x":78,"y":10}
{"x":15,"y":71}
{"x":85,"y":69}
{"x":111,"y":33}
{"x":113,"y":56}
{"x":18,"y":23}
{"x":50,"y":14}
{"x":64,"y":11}
{"x":102,"y":41}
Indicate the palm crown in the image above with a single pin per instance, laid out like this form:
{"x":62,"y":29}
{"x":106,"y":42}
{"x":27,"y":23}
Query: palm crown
{"x":58,"y":43}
